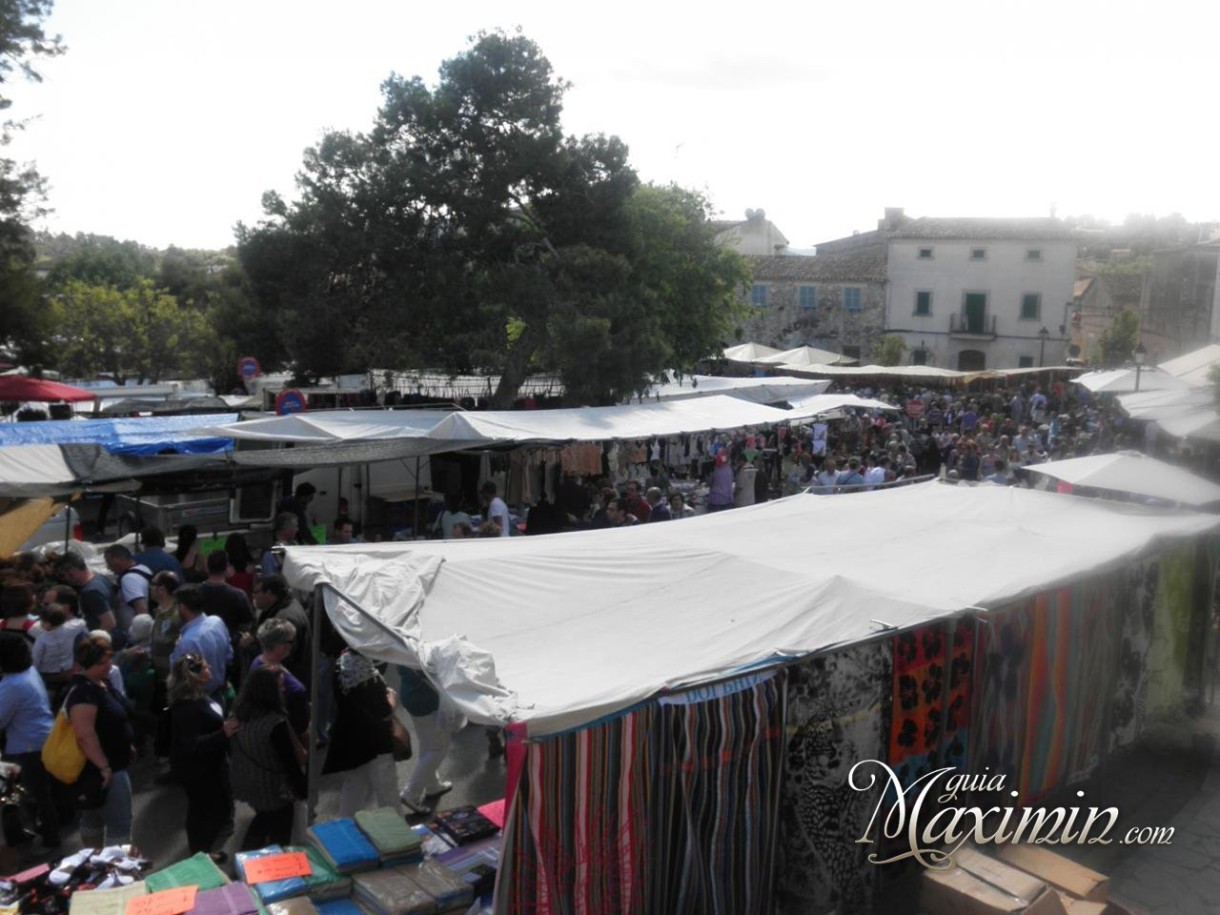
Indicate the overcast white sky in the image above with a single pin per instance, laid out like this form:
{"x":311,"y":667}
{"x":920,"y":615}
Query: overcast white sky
{"x":167,"y":119}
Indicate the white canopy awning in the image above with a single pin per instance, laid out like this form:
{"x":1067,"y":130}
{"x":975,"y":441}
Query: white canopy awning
{"x":1158,"y":405}
{"x":806,"y":355}
{"x":1202,"y":424}
{"x":749,"y":352}
{"x":560,"y":630}
{"x":1194,"y":368}
{"x":1114,"y":381}
{"x":1133,"y":473}
{"x":755,"y":390}
{"x":27,"y":471}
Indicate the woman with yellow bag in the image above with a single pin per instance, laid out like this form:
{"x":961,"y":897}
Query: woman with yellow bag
{"x":99,"y":717}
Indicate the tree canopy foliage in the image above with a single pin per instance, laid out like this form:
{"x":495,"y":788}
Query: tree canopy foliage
{"x":1119,"y":340}
{"x":22,"y":40}
{"x":464,"y":231}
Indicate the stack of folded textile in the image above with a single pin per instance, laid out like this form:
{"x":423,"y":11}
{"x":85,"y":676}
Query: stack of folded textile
{"x":198,"y":870}
{"x":391,"y":892}
{"x":441,"y":884}
{"x":339,"y":907}
{"x":105,"y":902}
{"x":394,"y":840}
{"x":325,"y":883}
{"x":230,"y":899}
{"x":271,"y":890}
{"x":344,"y":846}
{"x":298,"y":906}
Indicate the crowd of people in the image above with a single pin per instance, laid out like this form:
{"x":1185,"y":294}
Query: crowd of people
{"x":203,"y":661}
{"x":205,"y":658}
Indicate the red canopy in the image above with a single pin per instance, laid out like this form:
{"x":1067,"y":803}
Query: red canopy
{"x":22,"y":388}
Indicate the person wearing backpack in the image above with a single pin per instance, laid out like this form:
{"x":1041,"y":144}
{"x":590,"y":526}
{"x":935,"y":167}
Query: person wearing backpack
{"x":133,"y":582}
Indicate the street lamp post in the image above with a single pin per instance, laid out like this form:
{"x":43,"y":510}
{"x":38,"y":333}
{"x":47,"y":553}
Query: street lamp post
{"x":1043,"y":336}
{"x":1139,"y":354}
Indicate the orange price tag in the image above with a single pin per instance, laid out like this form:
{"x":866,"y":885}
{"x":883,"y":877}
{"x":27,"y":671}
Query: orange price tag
{"x":277,"y":867}
{"x":167,"y":902}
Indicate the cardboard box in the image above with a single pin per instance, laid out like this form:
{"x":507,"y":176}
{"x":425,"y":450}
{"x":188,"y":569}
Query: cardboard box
{"x":1074,"y":906}
{"x":979,"y":885}
{"x":1058,"y":871}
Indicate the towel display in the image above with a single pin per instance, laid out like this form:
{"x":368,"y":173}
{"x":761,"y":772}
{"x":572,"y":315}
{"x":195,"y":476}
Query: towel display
{"x":344,"y":845}
{"x":197,"y":870}
{"x":105,"y":902}
{"x":271,"y":890}
{"x":325,"y":883}
{"x":230,"y":899}
{"x":394,"y":840}
{"x":391,"y":892}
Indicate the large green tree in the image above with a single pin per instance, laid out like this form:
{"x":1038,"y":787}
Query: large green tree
{"x":465,"y":231}
{"x":138,"y":334}
{"x":22,"y":41}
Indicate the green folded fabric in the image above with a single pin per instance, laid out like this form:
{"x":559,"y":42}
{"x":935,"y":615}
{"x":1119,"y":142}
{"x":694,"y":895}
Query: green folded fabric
{"x":325,"y":883}
{"x":388,"y":831}
{"x":197,"y":870}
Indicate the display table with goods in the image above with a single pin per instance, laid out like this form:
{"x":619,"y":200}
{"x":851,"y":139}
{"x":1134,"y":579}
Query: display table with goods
{"x":374,"y":863}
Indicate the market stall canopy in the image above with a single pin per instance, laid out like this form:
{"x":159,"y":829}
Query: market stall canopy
{"x":419,"y":432}
{"x":27,"y":471}
{"x":755,"y":390}
{"x":1136,"y":474}
{"x":145,"y":435}
{"x":559,"y":631}
{"x":1202,"y":424}
{"x":1194,"y":368}
{"x":1115,"y":381}
{"x":749,"y":352}
{"x":806,"y":355}
{"x":1164,"y":404}
{"x":21,"y":518}
{"x":23,"y":388}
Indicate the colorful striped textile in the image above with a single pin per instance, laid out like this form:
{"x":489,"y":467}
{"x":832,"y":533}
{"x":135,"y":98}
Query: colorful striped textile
{"x":838,"y":714}
{"x":664,"y":809}
{"x":1003,"y":649}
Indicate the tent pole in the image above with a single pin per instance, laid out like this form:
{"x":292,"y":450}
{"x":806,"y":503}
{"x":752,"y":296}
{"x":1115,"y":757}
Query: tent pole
{"x":315,"y":713}
{"x":415,"y":520}
{"x":67,"y":523}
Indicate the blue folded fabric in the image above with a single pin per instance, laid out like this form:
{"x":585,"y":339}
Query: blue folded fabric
{"x":344,"y":845}
{"x":338,"y":907}
{"x":272,"y":890}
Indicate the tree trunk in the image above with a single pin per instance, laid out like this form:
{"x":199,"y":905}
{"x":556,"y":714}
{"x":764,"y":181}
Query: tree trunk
{"x":516,"y":365}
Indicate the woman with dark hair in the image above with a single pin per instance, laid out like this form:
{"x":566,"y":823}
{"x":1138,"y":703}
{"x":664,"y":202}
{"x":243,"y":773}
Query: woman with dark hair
{"x":26,"y":719}
{"x":241,"y":563}
{"x":199,"y":756}
{"x":360,"y":745}
{"x":16,"y":605}
{"x":189,"y":555}
{"x":267,"y":760}
{"x":99,"y":716}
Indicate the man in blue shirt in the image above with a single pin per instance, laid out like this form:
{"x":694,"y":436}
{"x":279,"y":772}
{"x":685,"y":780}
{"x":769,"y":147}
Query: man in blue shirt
{"x":154,"y":557}
{"x":26,"y":719}
{"x":203,"y":635}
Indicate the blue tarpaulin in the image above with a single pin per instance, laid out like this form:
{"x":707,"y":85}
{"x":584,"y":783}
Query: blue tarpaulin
{"x":145,"y":435}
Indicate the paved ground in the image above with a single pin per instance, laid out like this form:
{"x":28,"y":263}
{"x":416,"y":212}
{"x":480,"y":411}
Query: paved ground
{"x":160,"y":810}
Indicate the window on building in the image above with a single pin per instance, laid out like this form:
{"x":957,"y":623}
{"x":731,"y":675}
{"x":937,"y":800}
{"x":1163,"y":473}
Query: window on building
{"x":851,"y":298}
{"x":923,"y":303}
{"x":1031,"y":306}
{"x":1025,"y":362}
{"x":978,"y":254}
{"x":925,"y":254}
{"x":1033,"y":254}
{"x":808,"y":297}
{"x":758,"y":294}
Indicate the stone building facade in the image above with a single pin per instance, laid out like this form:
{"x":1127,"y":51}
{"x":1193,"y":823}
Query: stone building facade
{"x":833,"y":302}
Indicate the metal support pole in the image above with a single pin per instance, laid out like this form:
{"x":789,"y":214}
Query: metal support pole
{"x":415,"y":520}
{"x":315,"y":713}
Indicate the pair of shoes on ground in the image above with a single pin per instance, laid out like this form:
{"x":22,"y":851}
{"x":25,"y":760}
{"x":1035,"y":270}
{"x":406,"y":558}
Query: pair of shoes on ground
{"x":418,"y":804}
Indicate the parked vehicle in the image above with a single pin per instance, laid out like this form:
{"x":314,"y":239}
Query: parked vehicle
{"x":61,"y":526}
